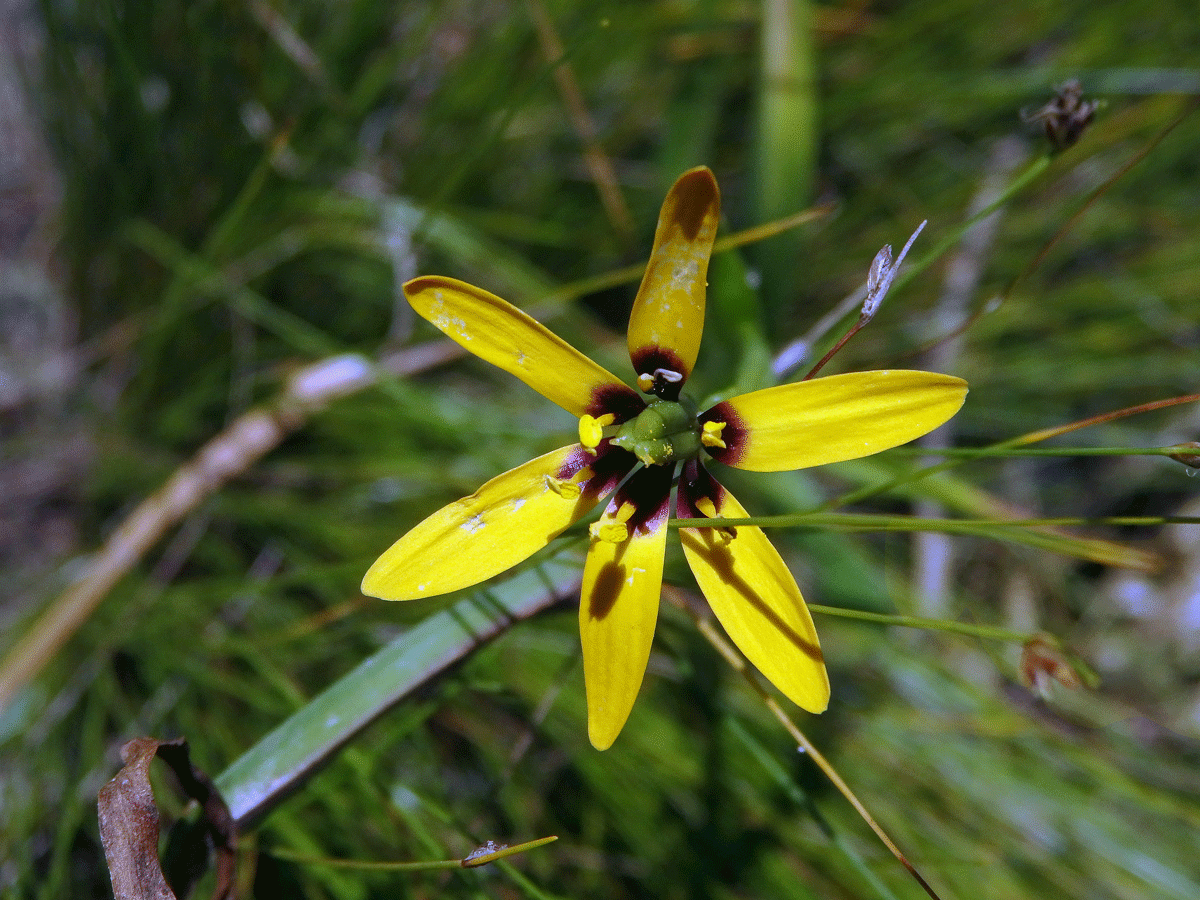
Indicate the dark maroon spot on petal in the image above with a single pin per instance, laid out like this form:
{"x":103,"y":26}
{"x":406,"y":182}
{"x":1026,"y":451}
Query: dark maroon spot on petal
{"x":608,"y":467}
{"x":735,"y":434}
{"x":605,"y":590}
{"x":697,"y":484}
{"x":648,"y":359}
{"x":690,"y":216}
{"x":619,"y":399}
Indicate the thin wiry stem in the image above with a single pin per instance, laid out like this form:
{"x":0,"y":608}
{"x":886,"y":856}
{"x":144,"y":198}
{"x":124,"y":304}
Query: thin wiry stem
{"x":705,"y":624}
{"x":1032,"y":437}
{"x":934,"y":555}
{"x":491,"y":853}
{"x":879,"y":281}
{"x":594,"y":157}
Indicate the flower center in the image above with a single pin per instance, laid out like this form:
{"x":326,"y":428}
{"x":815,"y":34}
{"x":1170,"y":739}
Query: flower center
{"x":662,"y":434}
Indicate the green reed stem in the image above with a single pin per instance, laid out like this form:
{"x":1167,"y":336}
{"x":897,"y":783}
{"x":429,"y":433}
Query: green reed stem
{"x":883,"y":522}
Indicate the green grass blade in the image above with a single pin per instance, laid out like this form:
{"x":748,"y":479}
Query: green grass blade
{"x":787,"y":136}
{"x":278,"y":764}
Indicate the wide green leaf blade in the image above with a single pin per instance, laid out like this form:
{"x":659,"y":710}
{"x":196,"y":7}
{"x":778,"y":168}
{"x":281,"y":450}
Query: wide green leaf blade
{"x":279,"y":764}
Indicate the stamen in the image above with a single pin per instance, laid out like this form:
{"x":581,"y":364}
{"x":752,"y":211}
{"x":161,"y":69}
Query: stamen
{"x":722,"y":535}
{"x":613,"y":528}
{"x":710,"y":434}
{"x":591,"y":430}
{"x":568,"y":490}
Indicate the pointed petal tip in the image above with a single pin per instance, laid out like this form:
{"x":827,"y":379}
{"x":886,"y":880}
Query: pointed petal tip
{"x":380,"y":581}
{"x":601,"y":737}
{"x":694,"y":205}
{"x":383,"y":582}
{"x":370,"y":585}
{"x":808,"y":685}
{"x":386,"y":582}
{"x":809,"y":689}
{"x":818,"y":703}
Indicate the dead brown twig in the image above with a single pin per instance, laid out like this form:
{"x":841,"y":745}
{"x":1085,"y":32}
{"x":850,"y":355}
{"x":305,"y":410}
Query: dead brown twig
{"x":250,"y":437}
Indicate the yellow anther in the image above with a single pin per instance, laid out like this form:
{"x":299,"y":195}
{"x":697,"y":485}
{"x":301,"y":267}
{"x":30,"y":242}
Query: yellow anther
{"x":645,"y":382}
{"x":568,"y":490}
{"x":610,"y":532}
{"x":613,"y":528}
{"x":710,"y":434}
{"x":591,"y":430}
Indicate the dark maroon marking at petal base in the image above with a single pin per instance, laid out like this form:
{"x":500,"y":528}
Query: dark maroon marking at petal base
{"x":647,"y":359}
{"x":735,"y":434}
{"x":609,"y":466}
{"x":619,"y":399}
{"x":649,"y":490}
{"x":695,"y":483}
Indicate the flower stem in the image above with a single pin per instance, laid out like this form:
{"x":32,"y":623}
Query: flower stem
{"x":1009,"y":452}
{"x":423,"y":865}
{"x":986,"y":632}
{"x":895,"y":522}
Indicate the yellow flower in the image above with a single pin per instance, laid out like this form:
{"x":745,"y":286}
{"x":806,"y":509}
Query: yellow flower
{"x":630,"y":447}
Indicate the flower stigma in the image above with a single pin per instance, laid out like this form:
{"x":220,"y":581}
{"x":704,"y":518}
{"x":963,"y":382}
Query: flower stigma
{"x":661,"y":381}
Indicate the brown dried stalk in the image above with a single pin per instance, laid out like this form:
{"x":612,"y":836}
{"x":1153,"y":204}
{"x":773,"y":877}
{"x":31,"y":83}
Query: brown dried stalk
{"x":233,"y":451}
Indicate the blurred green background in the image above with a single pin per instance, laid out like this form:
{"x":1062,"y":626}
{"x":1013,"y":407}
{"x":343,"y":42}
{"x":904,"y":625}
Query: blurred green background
{"x":219,"y":193}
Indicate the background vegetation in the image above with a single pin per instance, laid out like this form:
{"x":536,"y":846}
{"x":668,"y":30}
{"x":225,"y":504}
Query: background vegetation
{"x":244,"y":186}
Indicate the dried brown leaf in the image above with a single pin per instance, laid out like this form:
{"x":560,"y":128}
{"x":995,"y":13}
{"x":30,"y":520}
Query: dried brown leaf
{"x":129,"y":823}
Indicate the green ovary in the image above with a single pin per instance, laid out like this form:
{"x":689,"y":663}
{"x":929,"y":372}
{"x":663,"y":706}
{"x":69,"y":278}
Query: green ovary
{"x":664,"y":433}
